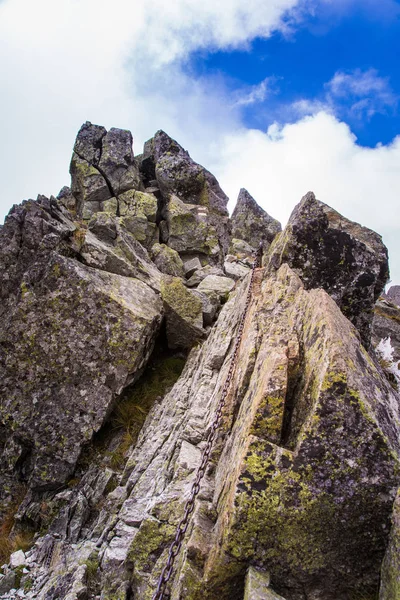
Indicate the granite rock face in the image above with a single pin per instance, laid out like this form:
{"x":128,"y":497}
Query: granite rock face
{"x":102,"y":165}
{"x":251,"y":223}
{"x":386,"y":325}
{"x":106,"y":292}
{"x":194,"y":206}
{"x":72,"y":338}
{"x":327,"y":250}
{"x":394,"y":294}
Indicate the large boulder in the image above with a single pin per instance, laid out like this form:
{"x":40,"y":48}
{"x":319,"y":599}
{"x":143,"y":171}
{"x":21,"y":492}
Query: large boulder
{"x":72,"y":337}
{"x":251,"y":223}
{"x":102,"y":166}
{"x":190,"y":232}
{"x":179,"y":177}
{"x":308,"y":474}
{"x":183,"y":313}
{"x":328,"y":251}
{"x":393,"y":294}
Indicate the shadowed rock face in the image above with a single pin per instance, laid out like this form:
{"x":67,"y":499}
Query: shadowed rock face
{"x":193,"y":204}
{"x":72,"y":337}
{"x":296,"y":502}
{"x":327,"y":250}
{"x":251,"y":223}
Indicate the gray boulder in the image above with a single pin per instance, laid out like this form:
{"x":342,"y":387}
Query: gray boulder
{"x":78,"y":336}
{"x":328,"y":251}
{"x":167,"y":260}
{"x":393,"y":294}
{"x":183,"y":314}
{"x":102,"y":165}
{"x":178,"y":175}
{"x":216,"y":286}
{"x":252,"y":223}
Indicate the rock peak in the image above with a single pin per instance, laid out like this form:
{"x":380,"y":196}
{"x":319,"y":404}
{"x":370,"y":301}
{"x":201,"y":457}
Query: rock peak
{"x":252,"y":223}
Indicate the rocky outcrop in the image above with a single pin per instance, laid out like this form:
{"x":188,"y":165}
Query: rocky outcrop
{"x":72,"y":338}
{"x":105,"y":293}
{"x":393,"y":294}
{"x":193,"y":204}
{"x":251,"y":223}
{"x":327,"y":250}
{"x":386,"y":326}
{"x":102,"y":165}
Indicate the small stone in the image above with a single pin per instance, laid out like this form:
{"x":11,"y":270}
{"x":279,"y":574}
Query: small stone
{"x":167,"y":260}
{"x":235,"y":270}
{"x":214,"y":285}
{"x":191,"y":266}
{"x":202,"y":273}
{"x":17,"y":559}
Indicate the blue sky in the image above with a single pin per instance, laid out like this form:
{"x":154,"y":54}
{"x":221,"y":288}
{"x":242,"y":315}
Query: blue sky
{"x":277,"y":96}
{"x":298,"y":65}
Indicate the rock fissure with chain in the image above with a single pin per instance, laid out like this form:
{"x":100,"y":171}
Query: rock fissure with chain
{"x":183,"y":525}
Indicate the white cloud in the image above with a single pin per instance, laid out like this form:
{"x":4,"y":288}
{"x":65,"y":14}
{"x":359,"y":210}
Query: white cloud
{"x":120,"y":64}
{"x":362,"y":92}
{"x":257,"y":93}
{"x":355,"y":94}
{"x":317,"y":153}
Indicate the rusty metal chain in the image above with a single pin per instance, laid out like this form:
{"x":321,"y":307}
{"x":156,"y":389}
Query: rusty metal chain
{"x":183,"y":525}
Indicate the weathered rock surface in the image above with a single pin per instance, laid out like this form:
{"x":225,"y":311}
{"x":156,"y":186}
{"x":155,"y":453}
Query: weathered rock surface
{"x":102,"y":165}
{"x":201,"y":227}
{"x":303,"y":476}
{"x":251,"y":223}
{"x":386,"y":324}
{"x":72,"y":338}
{"x":390,"y":576}
{"x":183,"y":313}
{"x":167,"y":260}
{"x":305,"y":465}
{"x":327,"y":250}
{"x":393,"y":294}
{"x":257,"y":586}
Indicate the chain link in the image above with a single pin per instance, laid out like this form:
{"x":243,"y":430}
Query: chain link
{"x":183,"y":525}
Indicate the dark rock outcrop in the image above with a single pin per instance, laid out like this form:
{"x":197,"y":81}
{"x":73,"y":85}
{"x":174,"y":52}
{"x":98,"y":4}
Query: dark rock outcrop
{"x":72,"y":337}
{"x":393,"y":294}
{"x":102,"y":165}
{"x":194,"y":206}
{"x":251,"y":223}
{"x":328,"y":251}
{"x":106,"y":292}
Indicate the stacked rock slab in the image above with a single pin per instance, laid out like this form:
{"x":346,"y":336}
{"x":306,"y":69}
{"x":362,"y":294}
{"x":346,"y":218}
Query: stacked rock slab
{"x":327,"y":250}
{"x":72,"y":338}
{"x":194,"y":213}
